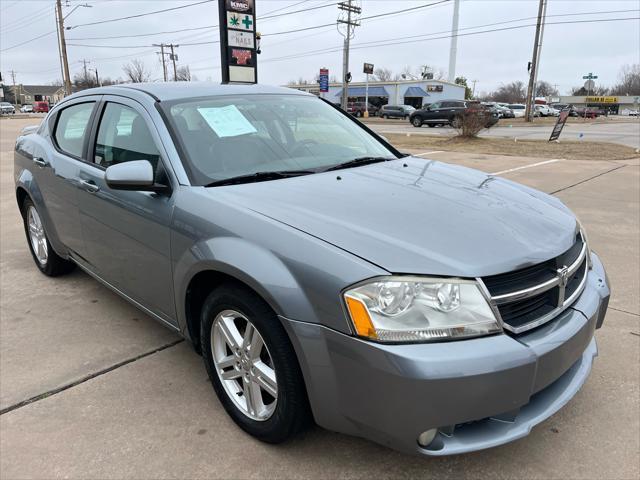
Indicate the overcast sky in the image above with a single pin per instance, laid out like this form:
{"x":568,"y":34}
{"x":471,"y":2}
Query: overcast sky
{"x":570,"y":50}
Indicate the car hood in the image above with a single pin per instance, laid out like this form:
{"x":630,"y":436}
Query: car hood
{"x":418,"y":216}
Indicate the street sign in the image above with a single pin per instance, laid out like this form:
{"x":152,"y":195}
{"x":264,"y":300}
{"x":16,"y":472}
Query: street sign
{"x":591,"y":76}
{"x":562,"y":119}
{"x":238,"y":54}
{"x":368,"y":68}
{"x":324,"y":80}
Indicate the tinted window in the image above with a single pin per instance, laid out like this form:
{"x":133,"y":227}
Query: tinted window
{"x":71,"y":128}
{"x":123,"y":136}
{"x":435,"y":105}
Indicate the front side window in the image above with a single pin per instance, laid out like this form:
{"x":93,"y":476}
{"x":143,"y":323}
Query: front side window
{"x":71,"y":128}
{"x":123,"y":136}
{"x":435,"y":105}
{"x":231,"y":136}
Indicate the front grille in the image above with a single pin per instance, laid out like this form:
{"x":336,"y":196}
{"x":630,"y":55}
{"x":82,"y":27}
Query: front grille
{"x":531,"y":296}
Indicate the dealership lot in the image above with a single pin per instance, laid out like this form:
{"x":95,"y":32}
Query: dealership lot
{"x":622,"y":130}
{"x":141,"y":405}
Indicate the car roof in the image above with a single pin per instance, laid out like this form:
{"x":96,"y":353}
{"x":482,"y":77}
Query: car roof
{"x":165,"y":91}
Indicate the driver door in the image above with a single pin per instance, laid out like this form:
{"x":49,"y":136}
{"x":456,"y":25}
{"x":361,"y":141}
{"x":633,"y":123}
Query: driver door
{"x":127,"y":233}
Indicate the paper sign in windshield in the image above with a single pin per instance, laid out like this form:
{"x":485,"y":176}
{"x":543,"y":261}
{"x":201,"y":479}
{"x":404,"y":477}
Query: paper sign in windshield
{"x":226,"y":121}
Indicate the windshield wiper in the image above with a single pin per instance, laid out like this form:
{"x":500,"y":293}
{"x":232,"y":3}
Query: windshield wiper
{"x":259,"y":177}
{"x":357,"y":162}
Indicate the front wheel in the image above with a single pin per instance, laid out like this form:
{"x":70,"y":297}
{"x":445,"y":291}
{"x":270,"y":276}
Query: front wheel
{"x":252,"y":365}
{"x":416,"y":122}
{"x":45,"y":258}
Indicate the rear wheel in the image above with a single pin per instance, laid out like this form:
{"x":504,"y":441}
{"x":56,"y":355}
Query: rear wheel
{"x":252,"y":365}
{"x":416,"y":122}
{"x":45,"y":258}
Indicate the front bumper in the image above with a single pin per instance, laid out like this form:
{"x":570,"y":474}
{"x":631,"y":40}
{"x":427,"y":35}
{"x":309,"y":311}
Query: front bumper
{"x":478,"y":393}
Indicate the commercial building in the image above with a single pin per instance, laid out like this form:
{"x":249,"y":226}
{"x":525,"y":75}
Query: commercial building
{"x":27,"y":94}
{"x":612,"y":103}
{"x":404,"y":92}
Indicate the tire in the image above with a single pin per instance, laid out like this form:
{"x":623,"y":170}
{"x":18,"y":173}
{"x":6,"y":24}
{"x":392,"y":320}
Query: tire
{"x":416,"y":122}
{"x":358,"y":114}
{"x":384,"y":116}
{"x":45,"y":258}
{"x":431,"y":125}
{"x":455,"y":122}
{"x":273,"y":419}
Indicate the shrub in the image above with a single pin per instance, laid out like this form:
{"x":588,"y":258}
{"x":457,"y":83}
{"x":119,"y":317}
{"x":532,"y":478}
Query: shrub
{"x":471,"y":122}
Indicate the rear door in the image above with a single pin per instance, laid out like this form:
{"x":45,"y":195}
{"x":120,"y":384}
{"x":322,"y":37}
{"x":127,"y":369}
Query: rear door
{"x":57,"y":170}
{"x":127,"y":233}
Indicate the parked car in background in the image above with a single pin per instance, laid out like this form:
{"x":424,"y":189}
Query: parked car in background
{"x":562,"y":106}
{"x":357,"y":109}
{"x":396,"y":111}
{"x":518,"y":109}
{"x":40,"y":107}
{"x":449,"y":112}
{"x":26,"y":109}
{"x":503,"y":110}
{"x":546,"y":111}
{"x":320,"y":273}
{"x":6,"y":108}
{"x":587,"y":112}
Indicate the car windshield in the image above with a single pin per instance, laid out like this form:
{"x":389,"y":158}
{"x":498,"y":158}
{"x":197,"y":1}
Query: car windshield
{"x":231,"y":136}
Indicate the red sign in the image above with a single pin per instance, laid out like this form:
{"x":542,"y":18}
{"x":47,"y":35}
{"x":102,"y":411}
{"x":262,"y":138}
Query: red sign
{"x":243,"y":57}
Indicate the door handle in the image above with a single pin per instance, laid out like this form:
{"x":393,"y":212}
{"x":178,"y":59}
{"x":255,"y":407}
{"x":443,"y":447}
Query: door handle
{"x":41,"y":162}
{"x":89,"y":186}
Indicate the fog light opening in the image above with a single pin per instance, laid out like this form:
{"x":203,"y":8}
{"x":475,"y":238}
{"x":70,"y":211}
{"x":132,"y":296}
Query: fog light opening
{"x":426,"y":437}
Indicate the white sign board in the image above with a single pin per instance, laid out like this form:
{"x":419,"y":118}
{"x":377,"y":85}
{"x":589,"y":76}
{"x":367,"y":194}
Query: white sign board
{"x":240,"y":39}
{"x":240,"y":21}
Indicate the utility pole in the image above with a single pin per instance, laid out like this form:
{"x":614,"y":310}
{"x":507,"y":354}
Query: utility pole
{"x":350,"y":23}
{"x":84,"y":63}
{"x":533,"y":73}
{"x":97,"y":78}
{"x":173,"y":58}
{"x":473,"y":91}
{"x":164,"y":65}
{"x":453,"y":51}
{"x":63,"y":47}
{"x":15,"y":91}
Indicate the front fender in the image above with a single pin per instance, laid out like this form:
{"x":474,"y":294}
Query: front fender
{"x":249,"y":263}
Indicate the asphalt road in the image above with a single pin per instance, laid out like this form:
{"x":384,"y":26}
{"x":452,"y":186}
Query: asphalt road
{"x":623,"y":131}
{"x":114,"y":395}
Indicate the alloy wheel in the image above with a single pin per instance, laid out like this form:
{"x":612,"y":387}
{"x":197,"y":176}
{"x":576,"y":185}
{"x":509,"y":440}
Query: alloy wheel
{"x":37,"y":236}
{"x":244,"y":365}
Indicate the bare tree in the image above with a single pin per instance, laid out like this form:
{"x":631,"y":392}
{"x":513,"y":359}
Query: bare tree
{"x":545,"y":89}
{"x":383,"y":74}
{"x":598,"y":90}
{"x":84,"y":79}
{"x":136,"y":71}
{"x":184,"y":74}
{"x":628,"y":81}
{"x":471,"y":122}
{"x":513,"y":92}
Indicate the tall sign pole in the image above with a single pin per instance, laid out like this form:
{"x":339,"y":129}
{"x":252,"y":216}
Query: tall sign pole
{"x":453,"y":50}
{"x":367,"y":69}
{"x":238,"y":45}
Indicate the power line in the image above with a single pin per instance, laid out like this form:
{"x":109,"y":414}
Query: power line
{"x":207,"y":27}
{"x":28,"y":41}
{"x":100,"y":22}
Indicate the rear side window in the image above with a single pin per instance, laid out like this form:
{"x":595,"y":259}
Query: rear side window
{"x":123,"y":136}
{"x":71,"y":128}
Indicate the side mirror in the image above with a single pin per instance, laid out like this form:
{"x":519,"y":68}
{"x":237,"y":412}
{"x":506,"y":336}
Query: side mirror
{"x":136,"y":175}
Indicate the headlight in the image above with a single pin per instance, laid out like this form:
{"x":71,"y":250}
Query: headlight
{"x":413,"y":309}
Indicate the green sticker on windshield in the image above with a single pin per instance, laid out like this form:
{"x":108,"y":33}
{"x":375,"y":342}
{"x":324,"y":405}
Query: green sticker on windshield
{"x":226,"y":121}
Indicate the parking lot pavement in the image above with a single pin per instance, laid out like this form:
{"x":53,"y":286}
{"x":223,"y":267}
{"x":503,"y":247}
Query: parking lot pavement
{"x":625,"y":132}
{"x":154,"y":415}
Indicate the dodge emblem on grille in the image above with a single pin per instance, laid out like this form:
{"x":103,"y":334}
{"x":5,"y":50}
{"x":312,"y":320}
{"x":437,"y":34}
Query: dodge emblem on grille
{"x":563,"y":274}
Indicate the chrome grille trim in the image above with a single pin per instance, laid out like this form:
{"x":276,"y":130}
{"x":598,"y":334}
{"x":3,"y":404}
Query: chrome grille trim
{"x":543,"y":287}
{"x":560,"y":281}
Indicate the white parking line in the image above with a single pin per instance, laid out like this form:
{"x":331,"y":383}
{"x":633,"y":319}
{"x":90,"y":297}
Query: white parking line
{"x":427,"y":153}
{"x":527,"y":166}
